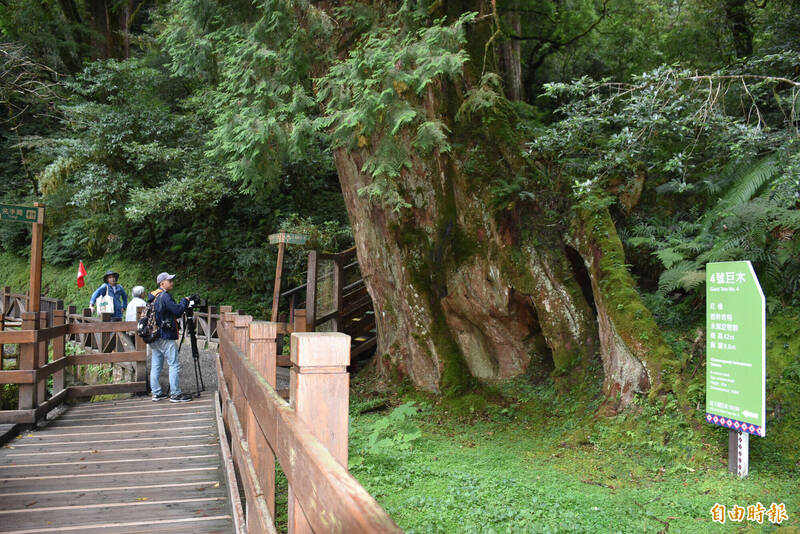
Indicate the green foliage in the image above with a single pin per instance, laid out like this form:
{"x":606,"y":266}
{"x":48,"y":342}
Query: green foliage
{"x":376,"y":95}
{"x":540,"y":462}
{"x":396,"y":432}
{"x":259,"y":62}
{"x":721,"y":182}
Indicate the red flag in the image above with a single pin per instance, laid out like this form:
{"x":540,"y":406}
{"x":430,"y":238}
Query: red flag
{"x":81,"y":274}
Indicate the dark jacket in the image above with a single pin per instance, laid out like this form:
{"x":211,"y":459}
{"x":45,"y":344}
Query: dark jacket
{"x":167,"y":312}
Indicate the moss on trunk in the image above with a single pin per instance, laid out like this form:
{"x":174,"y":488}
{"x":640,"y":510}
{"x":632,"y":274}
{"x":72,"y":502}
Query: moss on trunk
{"x":636,"y":358}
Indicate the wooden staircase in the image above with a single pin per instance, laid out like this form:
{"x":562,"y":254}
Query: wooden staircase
{"x":334,"y":299}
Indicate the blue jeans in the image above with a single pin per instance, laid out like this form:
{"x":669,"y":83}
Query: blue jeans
{"x":160,"y":349}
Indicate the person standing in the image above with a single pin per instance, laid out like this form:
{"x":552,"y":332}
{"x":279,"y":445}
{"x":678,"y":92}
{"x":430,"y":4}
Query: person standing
{"x":136,"y":302}
{"x":115,"y":291}
{"x":166,"y":346}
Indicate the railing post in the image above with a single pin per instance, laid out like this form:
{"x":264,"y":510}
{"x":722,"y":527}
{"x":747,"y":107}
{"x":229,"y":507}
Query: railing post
{"x":311,"y":291}
{"x":2,"y":347}
{"x":239,"y":337}
{"x":225,"y":317}
{"x":28,"y":360}
{"x":41,"y":383}
{"x":262,"y":351}
{"x":59,"y":344}
{"x":319,"y":393}
{"x":6,"y":300}
{"x":87,"y":312}
{"x":338,"y":286}
{"x":140,"y":345}
{"x":105,"y":337}
{"x":212,"y":310}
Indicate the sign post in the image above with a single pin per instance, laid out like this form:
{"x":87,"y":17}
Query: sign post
{"x":736,"y":357}
{"x":282,"y":238}
{"x":35,"y":216}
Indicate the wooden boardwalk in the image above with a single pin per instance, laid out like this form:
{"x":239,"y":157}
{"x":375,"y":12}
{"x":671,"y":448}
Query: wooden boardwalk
{"x":118,"y":467}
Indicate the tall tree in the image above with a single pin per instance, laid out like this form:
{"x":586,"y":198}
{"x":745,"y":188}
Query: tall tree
{"x":466,"y":283}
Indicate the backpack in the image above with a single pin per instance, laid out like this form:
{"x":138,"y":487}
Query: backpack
{"x":148,"y":328}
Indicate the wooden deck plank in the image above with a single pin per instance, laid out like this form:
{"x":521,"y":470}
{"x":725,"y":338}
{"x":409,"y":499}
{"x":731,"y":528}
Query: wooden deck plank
{"x":76,"y":434}
{"x":115,"y":480}
{"x":117,"y":467}
{"x":44,"y":445}
{"x":96,"y":495}
{"x":87,"y":516}
{"x":152,"y":415}
{"x":143,"y":404}
{"x":204,"y":525}
{"x":165,"y":421}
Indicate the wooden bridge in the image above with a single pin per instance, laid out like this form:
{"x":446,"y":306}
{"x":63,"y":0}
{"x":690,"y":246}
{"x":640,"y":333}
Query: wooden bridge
{"x":205,"y":466}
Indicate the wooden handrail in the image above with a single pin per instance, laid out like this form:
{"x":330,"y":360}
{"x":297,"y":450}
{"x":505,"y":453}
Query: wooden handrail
{"x":329,"y":498}
{"x":34,"y":371}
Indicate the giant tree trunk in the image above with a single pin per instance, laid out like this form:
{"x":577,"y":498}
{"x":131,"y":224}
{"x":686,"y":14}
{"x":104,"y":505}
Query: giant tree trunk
{"x":464,"y":290}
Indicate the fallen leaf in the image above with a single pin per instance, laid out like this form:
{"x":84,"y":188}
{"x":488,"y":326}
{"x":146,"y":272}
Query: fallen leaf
{"x":216,"y":484}
{"x":142,"y":498}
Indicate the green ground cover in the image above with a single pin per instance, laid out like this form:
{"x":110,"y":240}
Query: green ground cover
{"x":520,"y":460}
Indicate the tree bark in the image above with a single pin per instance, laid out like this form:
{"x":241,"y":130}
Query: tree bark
{"x":511,"y":58}
{"x":465,"y":291}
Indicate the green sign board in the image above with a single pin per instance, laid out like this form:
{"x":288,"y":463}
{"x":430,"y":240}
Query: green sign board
{"x":735,"y":348}
{"x":286,"y":237}
{"x":25,"y":214}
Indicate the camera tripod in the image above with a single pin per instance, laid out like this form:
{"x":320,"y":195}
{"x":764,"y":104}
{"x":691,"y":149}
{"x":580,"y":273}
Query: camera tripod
{"x":189,"y":325}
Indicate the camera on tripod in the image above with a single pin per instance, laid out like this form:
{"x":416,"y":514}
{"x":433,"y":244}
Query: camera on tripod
{"x":188,"y":325}
{"x":194,"y":301}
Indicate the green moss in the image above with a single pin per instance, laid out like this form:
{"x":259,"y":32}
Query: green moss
{"x":464,"y":406}
{"x":633,"y":321}
{"x":783,"y":381}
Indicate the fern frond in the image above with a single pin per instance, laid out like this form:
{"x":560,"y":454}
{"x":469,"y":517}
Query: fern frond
{"x":685,"y":272}
{"x":746,"y":182}
{"x":668,"y":256}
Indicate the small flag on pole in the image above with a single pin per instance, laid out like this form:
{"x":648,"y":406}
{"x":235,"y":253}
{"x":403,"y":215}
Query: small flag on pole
{"x":81,"y":274}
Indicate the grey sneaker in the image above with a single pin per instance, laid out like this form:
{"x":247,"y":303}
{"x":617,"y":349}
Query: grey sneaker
{"x":183,"y":397}
{"x":160,"y":396}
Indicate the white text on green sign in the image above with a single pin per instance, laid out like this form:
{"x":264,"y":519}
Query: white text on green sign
{"x":285,"y":237}
{"x":735,"y":348}
{"x":25,"y":214}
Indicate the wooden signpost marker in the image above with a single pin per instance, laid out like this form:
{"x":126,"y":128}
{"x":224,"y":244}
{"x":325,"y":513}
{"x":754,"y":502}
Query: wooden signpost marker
{"x":282,"y":238}
{"x":35,"y":216}
{"x":31,"y":354}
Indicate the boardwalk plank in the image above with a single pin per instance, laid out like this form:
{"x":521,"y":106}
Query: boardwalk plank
{"x":117,"y":467}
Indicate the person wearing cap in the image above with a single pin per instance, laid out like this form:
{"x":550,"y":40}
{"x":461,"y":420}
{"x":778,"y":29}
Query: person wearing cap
{"x":117,"y":292}
{"x":166,"y":346}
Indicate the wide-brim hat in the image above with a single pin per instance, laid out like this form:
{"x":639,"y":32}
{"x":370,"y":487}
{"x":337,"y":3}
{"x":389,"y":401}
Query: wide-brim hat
{"x":110,"y":273}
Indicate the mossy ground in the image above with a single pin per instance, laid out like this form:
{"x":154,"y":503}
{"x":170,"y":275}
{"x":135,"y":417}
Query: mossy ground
{"x":520,"y":458}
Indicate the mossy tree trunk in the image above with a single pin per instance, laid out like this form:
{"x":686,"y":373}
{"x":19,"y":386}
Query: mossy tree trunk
{"x":465,"y":289}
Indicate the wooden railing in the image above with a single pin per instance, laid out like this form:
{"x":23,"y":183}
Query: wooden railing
{"x":347,"y":305}
{"x":13,"y":305}
{"x":308,"y":435}
{"x":35,"y":365}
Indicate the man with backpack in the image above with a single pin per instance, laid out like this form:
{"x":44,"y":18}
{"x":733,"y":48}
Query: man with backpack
{"x":165,"y":344}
